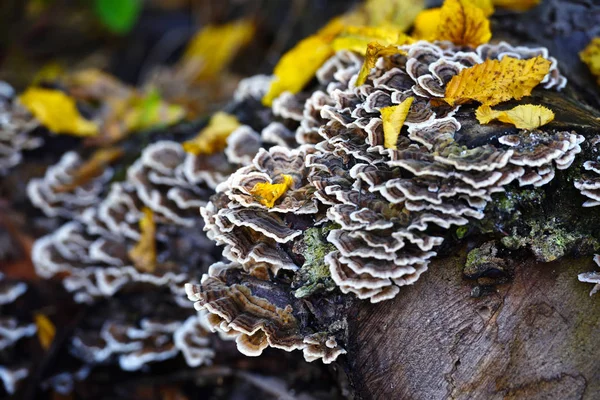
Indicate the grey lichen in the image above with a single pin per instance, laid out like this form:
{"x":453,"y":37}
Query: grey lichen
{"x":314,"y":275}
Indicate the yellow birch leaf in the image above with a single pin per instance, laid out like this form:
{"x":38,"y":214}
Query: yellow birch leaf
{"x":357,"y":38}
{"x":393,"y":118}
{"x":487,"y":6}
{"x":45,"y":330}
{"x":92,"y":168}
{"x":214,"y":47}
{"x":591,"y":57}
{"x":493,"y":81}
{"x":399,"y":13}
{"x":374,"y":51}
{"x":463,"y":23}
{"x":526,"y":116}
{"x":298,"y":66}
{"x":213,"y":138}
{"x":517,"y":5}
{"x":268,"y":193}
{"x":143,"y":254}
{"x":426,"y":24}
{"x":57,"y":111}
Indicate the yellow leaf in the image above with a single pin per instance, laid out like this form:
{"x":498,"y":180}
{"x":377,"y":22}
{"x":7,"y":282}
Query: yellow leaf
{"x":268,"y":193}
{"x":213,"y":138}
{"x":393,"y":118}
{"x":517,"y":5}
{"x":399,"y":13}
{"x":50,"y":72}
{"x":463,"y":23}
{"x":45,"y":330}
{"x":298,"y":66}
{"x":494,"y":81}
{"x":92,"y":168}
{"x":591,"y":57}
{"x":57,"y":112}
{"x":527,"y":116}
{"x":426,"y":24}
{"x":143,"y":254}
{"x":374,"y":51}
{"x":214,"y":47}
{"x":357,"y":38}
{"x":487,"y":6}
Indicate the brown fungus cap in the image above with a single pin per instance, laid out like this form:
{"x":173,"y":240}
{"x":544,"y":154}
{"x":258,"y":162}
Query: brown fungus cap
{"x":257,"y":313}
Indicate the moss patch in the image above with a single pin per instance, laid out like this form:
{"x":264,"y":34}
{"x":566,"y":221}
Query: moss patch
{"x":314,"y":277}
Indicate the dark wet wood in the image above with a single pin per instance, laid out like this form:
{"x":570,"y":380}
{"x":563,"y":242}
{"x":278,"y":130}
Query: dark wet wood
{"x":536,"y":338}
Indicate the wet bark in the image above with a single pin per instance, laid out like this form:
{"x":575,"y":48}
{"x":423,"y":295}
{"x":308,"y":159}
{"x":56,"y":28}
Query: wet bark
{"x":536,"y":338}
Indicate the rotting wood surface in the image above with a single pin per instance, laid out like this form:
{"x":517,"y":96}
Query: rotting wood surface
{"x":536,"y":338}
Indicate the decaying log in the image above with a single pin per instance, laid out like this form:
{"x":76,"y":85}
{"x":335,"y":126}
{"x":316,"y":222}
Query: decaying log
{"x":536,"y":338}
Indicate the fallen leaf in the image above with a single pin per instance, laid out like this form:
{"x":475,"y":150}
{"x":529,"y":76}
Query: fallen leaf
{"x":459,"y":21}
{"x":398,"y":13}
{"x":591,"y":57}
{"x":393,"y":118}
{"x":487,"y":6}
{"x":214,"y":47}
{"x":374,"y":51}
{"x":526,"y":116}
{"x":268,"y":193}
{"x":463,"y":23}
{"x":493,"y":81}
{"x":92,"y":168}
{"x":426,"y":24}
{"x":57,"y":111}
{"x":213,"y":138}
{"x":298,"y":66}
{"x":357,"y":38}
{"x":45,"y":330}
{"x":143,"y":254}
{"x":517,"y":5}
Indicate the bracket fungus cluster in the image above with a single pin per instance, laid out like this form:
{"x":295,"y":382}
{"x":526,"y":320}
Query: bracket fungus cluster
{"x":12,"y":330}
{"x":387,"y":192}
{"x":16,"y":128}
{"x":137,"y":330}
{"x":139,"y":237}
{"x":290,"y":205}
{"x":589,"y":186}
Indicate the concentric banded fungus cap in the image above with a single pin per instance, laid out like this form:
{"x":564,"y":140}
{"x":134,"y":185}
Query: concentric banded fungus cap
{"x":135,"y":330}
{"x":146,"y":231}
{"x":388,"y":202}
{"x":589,"y":186}
{"x":12,"y":330}
{"x":253,"y":211}
{"x":16,"y":129}
{"x":592,"y":277}
{"x":257,"y":313}
{"x":72,"y":185}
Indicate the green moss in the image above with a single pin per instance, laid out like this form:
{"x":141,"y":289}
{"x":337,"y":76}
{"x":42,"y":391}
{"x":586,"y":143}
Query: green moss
{"x":462,"y":231}
{"x":314,"y":275}
{"x":547,"y":239}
